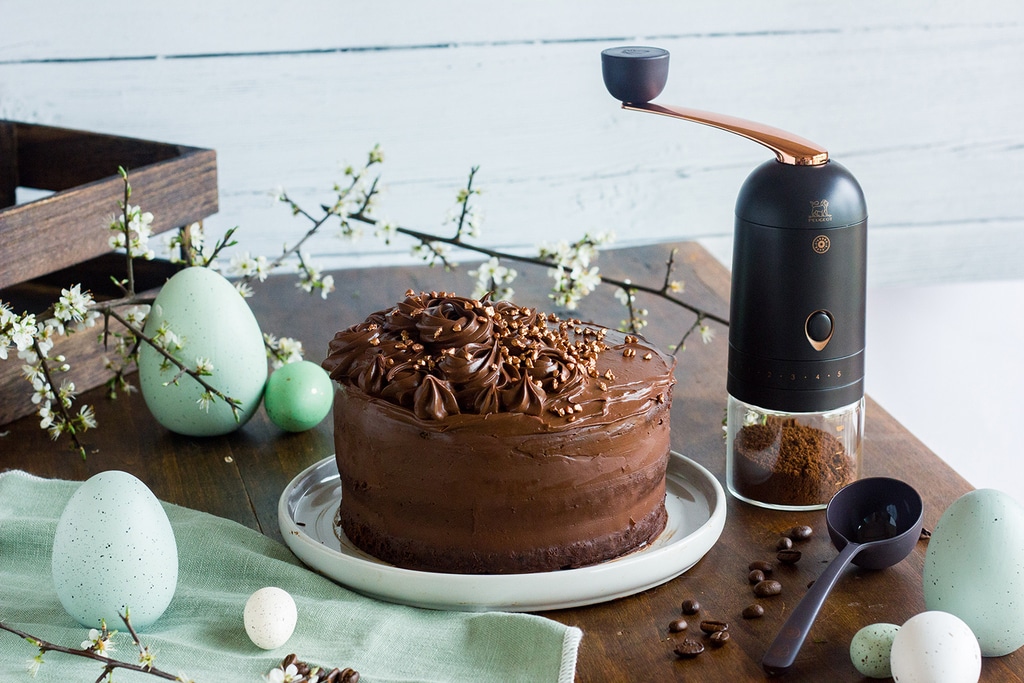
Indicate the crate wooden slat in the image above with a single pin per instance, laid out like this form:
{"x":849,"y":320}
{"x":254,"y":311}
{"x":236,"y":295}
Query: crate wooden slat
{"x":177,"y":184}
{"x":62,"y":239}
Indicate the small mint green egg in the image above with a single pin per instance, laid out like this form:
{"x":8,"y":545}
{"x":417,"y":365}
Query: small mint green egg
{"x":298,"y":396}
{"x":870,"y":650}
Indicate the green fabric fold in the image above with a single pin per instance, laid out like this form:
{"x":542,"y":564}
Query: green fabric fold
{"x":201,"y":635}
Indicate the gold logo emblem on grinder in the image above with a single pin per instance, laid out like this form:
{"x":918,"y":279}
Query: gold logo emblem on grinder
{"x":821,"y":244}
{"x":819,"y":212}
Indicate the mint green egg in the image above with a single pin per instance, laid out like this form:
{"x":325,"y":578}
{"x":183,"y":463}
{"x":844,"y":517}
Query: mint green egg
{"x":209,"y":320}
{"x":298,"y":396}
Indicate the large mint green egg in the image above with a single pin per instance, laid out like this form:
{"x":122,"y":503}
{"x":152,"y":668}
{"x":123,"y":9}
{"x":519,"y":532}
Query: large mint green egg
{"x":974,"y":568}
{"x":213,"y":322}
{"x":114,"y":550}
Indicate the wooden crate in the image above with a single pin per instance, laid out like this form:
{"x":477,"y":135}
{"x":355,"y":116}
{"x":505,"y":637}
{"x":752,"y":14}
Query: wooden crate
{"x":62,"y":239}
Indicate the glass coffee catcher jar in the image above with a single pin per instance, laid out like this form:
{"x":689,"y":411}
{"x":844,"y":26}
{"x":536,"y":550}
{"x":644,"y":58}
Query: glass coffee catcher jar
{"x":792,"y":461}
{"x":795,"y":415}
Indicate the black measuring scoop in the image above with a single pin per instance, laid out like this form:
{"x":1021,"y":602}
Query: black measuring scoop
{"x":874,"y":523}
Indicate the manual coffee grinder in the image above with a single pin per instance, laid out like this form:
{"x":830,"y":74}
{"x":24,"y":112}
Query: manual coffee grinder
{"x":795,"y":413}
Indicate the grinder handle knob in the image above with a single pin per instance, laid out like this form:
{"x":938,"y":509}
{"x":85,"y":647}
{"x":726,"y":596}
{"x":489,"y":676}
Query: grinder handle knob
{"x":634,"y":74}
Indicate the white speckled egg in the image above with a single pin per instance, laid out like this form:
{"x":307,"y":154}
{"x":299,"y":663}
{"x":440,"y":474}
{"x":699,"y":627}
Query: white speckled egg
{"x":270,"y":617}
{"x":114,"y":549}
{"x":870,"y":649}
{"x":214,"y":323}
{"x":974,"y":568}
{"x":935,"y":647}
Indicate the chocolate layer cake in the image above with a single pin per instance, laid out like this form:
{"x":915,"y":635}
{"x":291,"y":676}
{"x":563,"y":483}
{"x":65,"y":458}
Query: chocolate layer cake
{"x":481,"y":437}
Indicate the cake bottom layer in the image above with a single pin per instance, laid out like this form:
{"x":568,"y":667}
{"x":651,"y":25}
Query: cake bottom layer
{"x":459,"y":560}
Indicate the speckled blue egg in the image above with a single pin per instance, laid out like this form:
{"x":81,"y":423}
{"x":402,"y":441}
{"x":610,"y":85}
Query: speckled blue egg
{"x":974,"y":568}
{"x":214,"y":322}
{"x":298,"y":396}
{"x":870,"y":650}
{"x":113,"y":550}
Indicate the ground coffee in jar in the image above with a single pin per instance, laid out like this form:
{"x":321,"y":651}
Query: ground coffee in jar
{"x":781,"y":461}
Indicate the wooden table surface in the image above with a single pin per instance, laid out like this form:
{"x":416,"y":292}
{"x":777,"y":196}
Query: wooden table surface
{"x":240,"y":476}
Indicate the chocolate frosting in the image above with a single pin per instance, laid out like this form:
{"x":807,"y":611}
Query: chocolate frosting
{"x":439,"y":355}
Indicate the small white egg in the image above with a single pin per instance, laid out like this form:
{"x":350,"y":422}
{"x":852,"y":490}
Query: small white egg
{"x":870,"y":649}
{"x":935,"y":647}
{"x":270,"y":617}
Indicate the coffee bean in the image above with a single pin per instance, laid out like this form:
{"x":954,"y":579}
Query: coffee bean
{"x":925,"y":534}
{"x":767,"y":588}
{"x":789,"y":556}
{"x":677,"y":625}
{"x":784,"y":543}
{"x":755,"y":576}
{"x":690,"y":606}
{"x":754,"y":611}
{"x":689,"y":648}
{"x":800,"y":533}
{"x":765,"y":567}
{"x":713,"y":626}
{"x":719,"y":638}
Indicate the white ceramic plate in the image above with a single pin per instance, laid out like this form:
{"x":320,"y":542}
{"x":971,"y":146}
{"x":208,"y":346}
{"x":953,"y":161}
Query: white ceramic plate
{"x":696,"y":516}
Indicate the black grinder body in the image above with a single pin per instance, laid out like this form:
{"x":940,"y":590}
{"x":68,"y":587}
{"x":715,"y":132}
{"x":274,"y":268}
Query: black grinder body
{"x":797,"y":308}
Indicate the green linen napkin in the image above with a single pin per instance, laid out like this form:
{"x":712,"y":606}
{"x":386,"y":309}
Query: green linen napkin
{"x":201,"y":635}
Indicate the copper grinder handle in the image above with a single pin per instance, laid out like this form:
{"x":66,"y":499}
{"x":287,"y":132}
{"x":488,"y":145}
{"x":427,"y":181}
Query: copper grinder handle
{"x":788,"y":148}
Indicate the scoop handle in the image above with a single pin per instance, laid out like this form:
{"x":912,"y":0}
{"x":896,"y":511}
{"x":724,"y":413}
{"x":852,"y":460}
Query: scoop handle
{"x":787,"y":643}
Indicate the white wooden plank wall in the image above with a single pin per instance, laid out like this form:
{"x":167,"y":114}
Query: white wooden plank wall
{"x":920,"y":100}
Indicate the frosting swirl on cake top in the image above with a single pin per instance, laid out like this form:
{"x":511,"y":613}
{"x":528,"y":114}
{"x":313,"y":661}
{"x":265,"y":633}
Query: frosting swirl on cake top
{"x":439,"y":354}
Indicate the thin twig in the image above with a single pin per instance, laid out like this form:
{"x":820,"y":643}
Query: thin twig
{"x":233,"y":403}
{"x":54,"y":393}
{"x":109,"y":664}
{"x":661,"y":292}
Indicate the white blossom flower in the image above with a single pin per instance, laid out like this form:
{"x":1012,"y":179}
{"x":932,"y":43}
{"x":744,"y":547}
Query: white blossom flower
{"x":245,"y":265}
{"x":73,"y":304}
{"x":23,"y":331}
{"x":473,"y":219}
{"x":385,"y":230}
{"x":34,"y":664}
{"x":28,"y":354}
{"x":166,"y":337}
{"x":706,"y":333}
{"x":585,"y":280}
{"x":282,"y":351}
{"x":204,"y":401}
{"x":45,"y":415}
{"x":87,"y":417}
{"x":45,"y":336}
{"x":138,"y":233}
{"x":289,"y":674}
{"x":136,"y":315}
{"x":492,"y":276}
{"x":243,"y":289}
{"x":98,"y":642}
{"x":204,"y":366}
{"x":326,"y":286}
